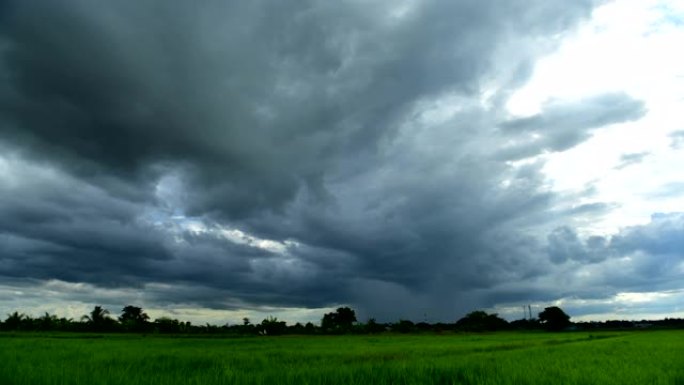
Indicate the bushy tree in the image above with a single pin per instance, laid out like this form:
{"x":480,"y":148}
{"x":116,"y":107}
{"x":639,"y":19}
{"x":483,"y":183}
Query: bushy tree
{"x":272,"y":327}
{"x":340,"y":321}
{"x":404,"y":326}
{"x":166,"y":325}
{"x":133,"y":318}
{"x":554,"y":319}
{"x":479,"y":321}
{"x":309,"y":328}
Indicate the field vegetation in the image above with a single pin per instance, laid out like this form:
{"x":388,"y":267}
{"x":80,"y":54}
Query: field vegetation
{"x":479,"y":348}
{"x":636,"y":357}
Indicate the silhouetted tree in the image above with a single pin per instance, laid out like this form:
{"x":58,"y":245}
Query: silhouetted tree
{"x":340,"y":321}
{"x":309,"y":328}
{"x":133,"y":318}
{"x":67,"y":324}
{"x":272,"y":327}
{"x":246,"y":327}
{"x":423,"y":326}
{"x":48,"y":322}
{"x":98,"y":319}
{"x":167,"y":325}
{"x":404,"y":326}
{"x":479,"y":321}
{"x":16,"y":321}
{"x":525,"y":324}
{"x":297,"y":328}
{"x":554,"y":319}
{"x":372,"y":326}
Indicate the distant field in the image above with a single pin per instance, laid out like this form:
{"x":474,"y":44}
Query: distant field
{"x":654,"y":357}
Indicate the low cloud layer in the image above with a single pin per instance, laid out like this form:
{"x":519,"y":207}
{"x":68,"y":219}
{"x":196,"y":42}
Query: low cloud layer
{"x":299,"y":155}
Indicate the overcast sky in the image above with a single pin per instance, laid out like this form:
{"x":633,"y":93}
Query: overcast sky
{"x":411,"y":159}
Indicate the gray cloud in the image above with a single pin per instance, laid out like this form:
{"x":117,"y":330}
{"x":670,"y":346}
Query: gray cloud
{"x":592,"y":208}
{"x":677,"y":138}
{"x":630,"y":159}
{"x":561,"y":125}
{"x":640,"y":258}
{"x":54,"y":227}
{"x":564,"y":245}
{"x":591,"y":271}
{"x":65,"y":229}
{"x":254,"y":122}
{"x":662,"y":236}
{"x":351,"y":145}
{"x":668,"y":190}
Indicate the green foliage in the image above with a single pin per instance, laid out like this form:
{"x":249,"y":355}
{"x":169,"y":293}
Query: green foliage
{"x":652,"y":357}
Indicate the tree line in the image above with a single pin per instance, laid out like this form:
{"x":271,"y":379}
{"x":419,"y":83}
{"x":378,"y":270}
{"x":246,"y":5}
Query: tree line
{"x":133,"y":319}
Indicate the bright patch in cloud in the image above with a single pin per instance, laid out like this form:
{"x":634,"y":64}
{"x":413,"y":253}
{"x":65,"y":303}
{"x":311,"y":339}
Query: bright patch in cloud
{"x":627,"y":46}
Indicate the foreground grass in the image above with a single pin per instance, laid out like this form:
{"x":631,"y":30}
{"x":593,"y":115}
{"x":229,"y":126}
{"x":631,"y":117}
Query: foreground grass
{"x":510,"y":358}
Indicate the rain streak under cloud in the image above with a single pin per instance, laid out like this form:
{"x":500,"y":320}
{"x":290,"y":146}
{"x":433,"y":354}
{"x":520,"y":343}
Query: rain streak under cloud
{"x":411,"y":159}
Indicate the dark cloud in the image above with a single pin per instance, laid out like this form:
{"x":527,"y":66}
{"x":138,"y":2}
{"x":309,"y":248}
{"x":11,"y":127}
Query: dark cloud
{"x":563,"y":125}
{"x":592,"y":271}
{"x":640,"y":258}
{"x":662,"y":236}
{"x":652,"y":256}
{"x":306,"y":154}
{"x":107,"y":92}
{"x":564,"y":245}
{"x":62,"y":228}
{"x":54,"y":227}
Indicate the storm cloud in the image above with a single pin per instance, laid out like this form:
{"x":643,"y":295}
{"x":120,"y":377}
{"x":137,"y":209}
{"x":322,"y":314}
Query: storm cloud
{"x":292,"y":154}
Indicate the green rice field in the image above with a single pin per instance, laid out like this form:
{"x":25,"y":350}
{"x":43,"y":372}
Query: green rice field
{"x":644,"y":357}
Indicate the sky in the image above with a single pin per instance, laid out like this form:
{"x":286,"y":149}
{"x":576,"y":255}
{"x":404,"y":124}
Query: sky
{"x":410,"y":159}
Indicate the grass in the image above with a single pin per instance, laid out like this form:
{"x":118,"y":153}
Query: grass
{"x":653,"y":357}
